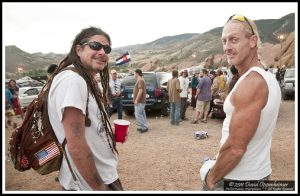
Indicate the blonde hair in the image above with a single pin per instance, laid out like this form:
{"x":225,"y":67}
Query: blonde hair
{"x":248,"y":30}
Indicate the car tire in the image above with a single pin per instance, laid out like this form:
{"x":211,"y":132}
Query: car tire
{"x":212,"y":115}
{"x":165,"y":110}
{"x":284,"y":96}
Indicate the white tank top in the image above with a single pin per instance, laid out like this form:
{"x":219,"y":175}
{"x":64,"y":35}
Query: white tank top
{"x":256,"y":163}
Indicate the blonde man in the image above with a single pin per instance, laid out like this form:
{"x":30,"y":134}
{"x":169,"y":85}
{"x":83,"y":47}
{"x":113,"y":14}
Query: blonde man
{"x":251,"y":112}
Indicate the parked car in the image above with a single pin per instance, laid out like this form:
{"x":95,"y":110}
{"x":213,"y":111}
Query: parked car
{"x":29,"y":83}
{"x":288,"y":83}
{"x":156,"y":92}
{"x":28,"y":94}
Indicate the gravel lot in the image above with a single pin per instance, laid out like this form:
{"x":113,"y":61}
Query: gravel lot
{"x":168,"y":158}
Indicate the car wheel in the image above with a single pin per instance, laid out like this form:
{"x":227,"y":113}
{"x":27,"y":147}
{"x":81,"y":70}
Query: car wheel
{"x":128,"y":112}
{"x":284,"y":96}
{"x":165,"y":110}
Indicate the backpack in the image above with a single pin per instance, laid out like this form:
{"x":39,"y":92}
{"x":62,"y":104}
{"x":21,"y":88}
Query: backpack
{"x":34,"y":143}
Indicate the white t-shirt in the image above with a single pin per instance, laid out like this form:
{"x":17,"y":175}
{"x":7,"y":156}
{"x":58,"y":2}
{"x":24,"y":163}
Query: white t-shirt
{"x":69,"y":89}
{"x":184,"y":85}
{"x":255,"y":163}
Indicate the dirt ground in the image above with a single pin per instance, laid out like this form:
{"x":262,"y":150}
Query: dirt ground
{"x":168,"y":158}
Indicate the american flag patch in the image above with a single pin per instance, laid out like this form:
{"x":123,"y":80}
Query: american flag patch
{"x":47,"y":153}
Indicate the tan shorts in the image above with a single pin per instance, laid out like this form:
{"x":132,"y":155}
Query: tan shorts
{"x":202,"y":106}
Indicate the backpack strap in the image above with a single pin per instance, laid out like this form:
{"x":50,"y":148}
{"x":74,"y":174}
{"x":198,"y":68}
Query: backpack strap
{"x":87,"y":119}
{"x":67,"y":159}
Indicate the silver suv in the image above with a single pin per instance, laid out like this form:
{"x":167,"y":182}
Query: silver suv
{"x":288,"y":83}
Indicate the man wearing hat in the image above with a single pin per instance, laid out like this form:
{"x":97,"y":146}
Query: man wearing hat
{"x":139,"y":100}
{"x":116,"y":96}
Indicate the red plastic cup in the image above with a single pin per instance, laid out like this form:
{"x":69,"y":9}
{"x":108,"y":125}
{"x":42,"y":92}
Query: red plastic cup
{"x":121,"y":129}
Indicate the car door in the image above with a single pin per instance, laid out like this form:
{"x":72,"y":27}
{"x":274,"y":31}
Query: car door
{"x":28,"y":96}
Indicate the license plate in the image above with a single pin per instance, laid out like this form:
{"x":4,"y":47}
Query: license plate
{"x":130,"y":95}
{"x":289,"y":85}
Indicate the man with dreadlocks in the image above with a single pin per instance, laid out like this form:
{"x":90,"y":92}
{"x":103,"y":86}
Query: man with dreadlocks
{"x":77,"y":112}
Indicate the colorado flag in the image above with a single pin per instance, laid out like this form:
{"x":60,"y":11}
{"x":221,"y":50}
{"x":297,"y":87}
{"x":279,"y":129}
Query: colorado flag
{"x":125,"y":58}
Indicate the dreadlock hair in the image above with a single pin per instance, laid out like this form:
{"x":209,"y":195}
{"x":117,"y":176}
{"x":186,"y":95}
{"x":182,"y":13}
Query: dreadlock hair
{"x":101,"y":99}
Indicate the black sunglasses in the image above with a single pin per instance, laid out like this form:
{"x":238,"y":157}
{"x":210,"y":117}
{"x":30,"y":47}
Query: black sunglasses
{"x":98,"y":46}
{"x":242,"y":19}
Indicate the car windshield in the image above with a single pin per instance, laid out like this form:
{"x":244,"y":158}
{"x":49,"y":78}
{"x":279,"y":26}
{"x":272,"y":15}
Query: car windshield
{"x":32,"y":91}
{"x":164,"y":78}
{"x":130,"y":80}
{"x":290,"y":73}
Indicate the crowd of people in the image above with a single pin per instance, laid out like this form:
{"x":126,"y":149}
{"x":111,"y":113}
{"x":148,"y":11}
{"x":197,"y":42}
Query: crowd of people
{"x":247,"y":130}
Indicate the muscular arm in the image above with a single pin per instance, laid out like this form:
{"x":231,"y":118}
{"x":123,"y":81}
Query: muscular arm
{"x":248,"y":99}
{"x":74,"y":126}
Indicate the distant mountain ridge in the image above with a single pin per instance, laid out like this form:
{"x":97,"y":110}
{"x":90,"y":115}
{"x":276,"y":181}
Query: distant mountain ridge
{"x":15,"y":57}
{"x":178,"y":51}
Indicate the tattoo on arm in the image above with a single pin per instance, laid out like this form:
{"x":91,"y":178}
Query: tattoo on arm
{"x":76,"y":128}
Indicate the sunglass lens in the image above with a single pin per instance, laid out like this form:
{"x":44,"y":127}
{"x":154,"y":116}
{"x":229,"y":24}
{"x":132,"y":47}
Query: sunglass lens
{"x":95,"y":45}
{"x":107,"y":49}
{"x":98,"y":46}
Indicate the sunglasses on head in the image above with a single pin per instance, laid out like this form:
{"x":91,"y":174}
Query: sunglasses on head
{"x":98,"y":46}
{"x":242,"y":19}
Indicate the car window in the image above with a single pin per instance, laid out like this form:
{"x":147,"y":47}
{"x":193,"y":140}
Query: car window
{"x":36,"y":83}
{"x":130,"y":80}
{"x":23,"y":84}
{"x":164,"y":78}
{"x":32,"y":91}
{"x":30,"y":83}
{"x":290,"y":73}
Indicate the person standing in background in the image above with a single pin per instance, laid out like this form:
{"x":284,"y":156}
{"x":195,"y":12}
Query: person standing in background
{"x":195,"y":81}
{"x":174,"y":90}
{"x":116,"y":95}
{"x":14,"y":89}
{"x":139,"y":100}
{"x":203,"y":96}
{"x":184,"y":85}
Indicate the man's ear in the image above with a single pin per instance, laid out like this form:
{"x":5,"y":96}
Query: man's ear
{"x":78,"y":50}
{"x":253,"y":41}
